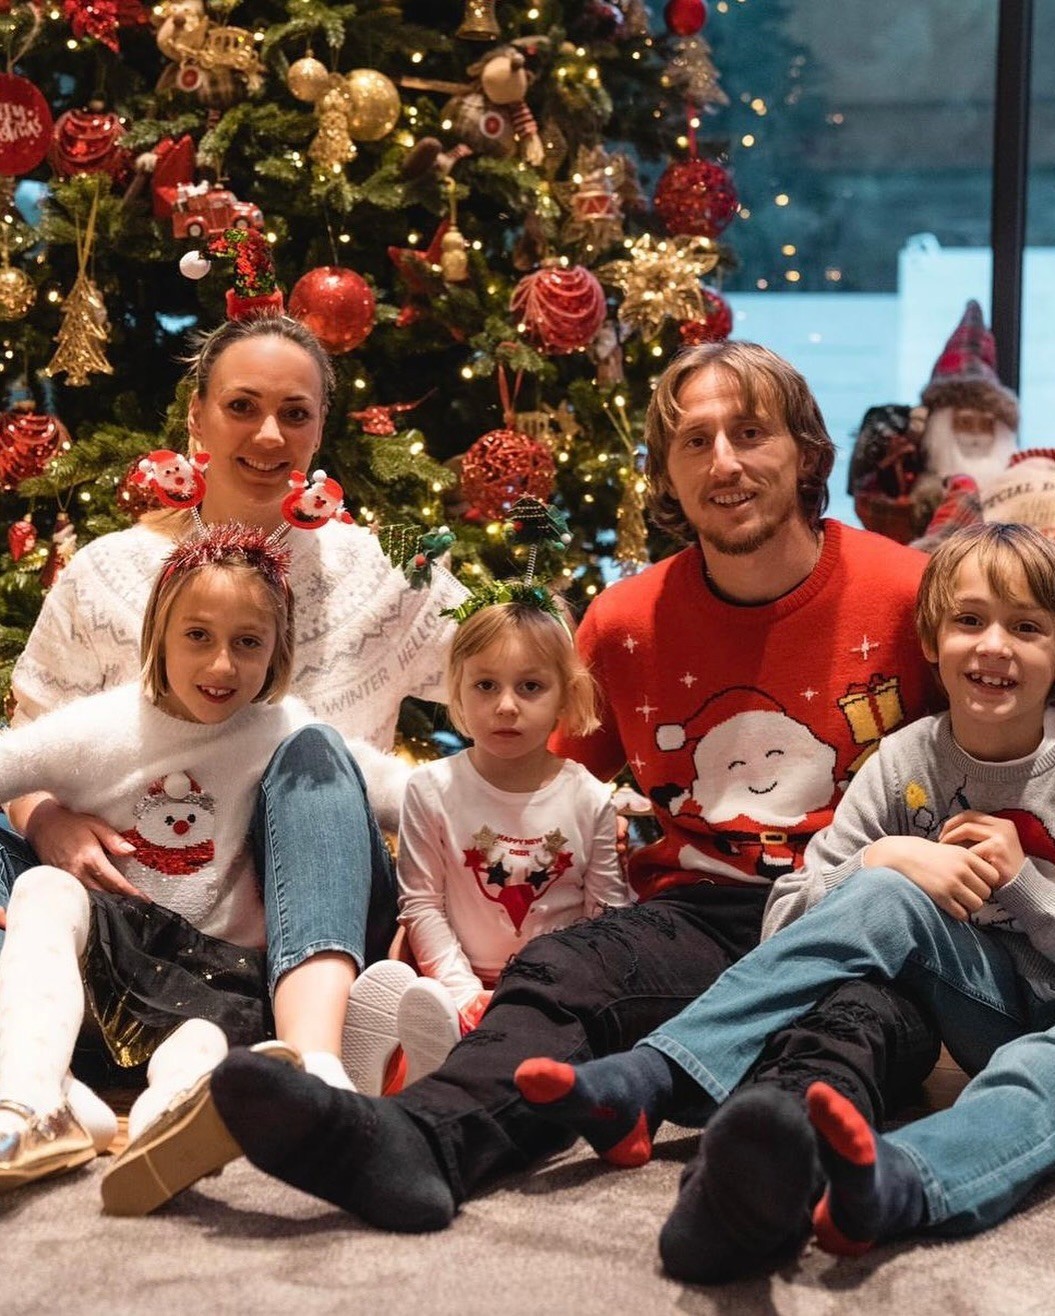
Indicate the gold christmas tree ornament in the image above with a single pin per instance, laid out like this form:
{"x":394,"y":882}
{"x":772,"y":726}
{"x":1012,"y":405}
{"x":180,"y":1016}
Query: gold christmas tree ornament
{"x":85,"y":328}
{"x":375,"y":105}
{"x":332,"y":147}
{"x":631,"y":549}
{"x":479,"y":22}
{"x":660,"y":279}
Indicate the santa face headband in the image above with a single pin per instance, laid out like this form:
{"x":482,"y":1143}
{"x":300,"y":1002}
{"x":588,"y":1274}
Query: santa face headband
{"x":179,"y":482}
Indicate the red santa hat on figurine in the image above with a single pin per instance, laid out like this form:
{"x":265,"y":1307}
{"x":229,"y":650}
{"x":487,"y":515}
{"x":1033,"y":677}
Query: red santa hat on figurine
{"x":972,"y":418}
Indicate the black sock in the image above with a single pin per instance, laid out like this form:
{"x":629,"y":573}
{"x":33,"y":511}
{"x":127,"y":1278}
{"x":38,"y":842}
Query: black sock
{"x":744,"y":1202}
{"x":874,"y":1189}
{"x":615,"y":1103}
{"x":364,"y":1154}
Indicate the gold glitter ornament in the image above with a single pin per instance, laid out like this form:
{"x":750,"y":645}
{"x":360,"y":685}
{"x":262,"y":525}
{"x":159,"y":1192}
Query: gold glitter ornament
{"x":17,"y":292}
{"x":375,"y":105}
{"x":308,"y":79}
{"x":332,"y":147}
{"x":660,"y":279}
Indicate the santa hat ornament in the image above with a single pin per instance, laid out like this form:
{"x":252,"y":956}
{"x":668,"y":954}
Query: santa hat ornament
{"x":722,"y":707}
{"x":965,"y":373}
{"x":1025,"y":493}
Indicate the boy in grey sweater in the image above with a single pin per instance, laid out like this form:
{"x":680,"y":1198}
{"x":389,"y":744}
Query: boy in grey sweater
{"x":938,"y":870}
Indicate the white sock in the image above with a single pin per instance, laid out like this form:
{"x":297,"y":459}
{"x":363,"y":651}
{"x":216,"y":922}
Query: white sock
{"x":328,"y":1067}
{"x":41,"y":993}
{"x":93,"y":1114}
{"x":194,"y":1049}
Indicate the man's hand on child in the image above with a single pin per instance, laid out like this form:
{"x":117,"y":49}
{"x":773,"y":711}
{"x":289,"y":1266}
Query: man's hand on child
{"x":81,"y":844}
{"x":995,"y":839}
{"x":958,"y":880}
{"x":3,"y":918}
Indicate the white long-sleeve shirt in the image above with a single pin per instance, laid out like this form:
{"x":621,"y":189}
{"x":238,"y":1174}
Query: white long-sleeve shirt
{"x":482,"y":870}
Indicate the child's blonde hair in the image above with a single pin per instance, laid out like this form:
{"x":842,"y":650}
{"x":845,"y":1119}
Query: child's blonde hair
{"x":549,"y":636}
{"x":244,"y":551}
{"x":1002,"y":551}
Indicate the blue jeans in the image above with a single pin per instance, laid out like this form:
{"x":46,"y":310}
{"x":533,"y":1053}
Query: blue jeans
{"x":976,"y":1160}
{"x":328,"y":879}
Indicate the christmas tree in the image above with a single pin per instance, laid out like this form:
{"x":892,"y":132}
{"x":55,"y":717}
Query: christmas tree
{"x":454,"y":194}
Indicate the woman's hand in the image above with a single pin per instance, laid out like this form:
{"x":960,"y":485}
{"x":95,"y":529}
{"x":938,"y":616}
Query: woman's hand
{"x":995,"y":839}
{"x":81,"y":844}
{"x":958,"y":881}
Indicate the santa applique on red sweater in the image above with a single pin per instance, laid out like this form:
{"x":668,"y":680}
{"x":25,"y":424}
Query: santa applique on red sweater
{"x":515,"y":872}
{"x":762,"y":784}
{"x":173,"y":835}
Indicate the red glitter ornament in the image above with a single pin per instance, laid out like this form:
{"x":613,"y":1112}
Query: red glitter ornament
{"x":502,"y":466}
{"x":28,"y":441}
{"x":685,"y":17}
{"x":93,"y":18}
{"x":561,"y":308}
{"x":714,"y":326}
{"x":696,"y":198}
{"x":88,"y":142}
{"x":26,"y":125}
{"x":336,"y":304}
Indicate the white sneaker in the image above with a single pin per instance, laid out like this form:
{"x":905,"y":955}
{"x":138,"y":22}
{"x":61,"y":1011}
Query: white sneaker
{"x":428,"y":1027}
{"x":370,"y":1037}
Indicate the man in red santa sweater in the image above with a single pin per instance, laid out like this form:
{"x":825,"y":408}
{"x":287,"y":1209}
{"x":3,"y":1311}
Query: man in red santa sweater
{"x":743,"y":680}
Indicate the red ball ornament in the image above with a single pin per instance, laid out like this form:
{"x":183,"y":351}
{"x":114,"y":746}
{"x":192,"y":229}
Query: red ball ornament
{"x":696,"y":198}
{"x":25,"y":125}
{"x":685,"y":17}
{"x":502,"y":466}
{"x":88,"y":142}
{"x":560,"y":308}
{"x":336,"y":304}
{"x":715,"y":325}
{"x":28,"y":441}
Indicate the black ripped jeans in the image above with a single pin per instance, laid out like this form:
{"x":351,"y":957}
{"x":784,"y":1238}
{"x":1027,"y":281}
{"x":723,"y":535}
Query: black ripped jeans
{"x":602,"y":984}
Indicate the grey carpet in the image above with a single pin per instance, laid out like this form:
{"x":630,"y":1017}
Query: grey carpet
{"x":573,"y":1237}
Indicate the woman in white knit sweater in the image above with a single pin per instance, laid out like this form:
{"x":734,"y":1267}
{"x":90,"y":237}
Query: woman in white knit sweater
{"x":364,"y":641}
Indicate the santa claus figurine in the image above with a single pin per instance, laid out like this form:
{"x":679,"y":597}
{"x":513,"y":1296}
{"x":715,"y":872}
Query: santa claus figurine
{"x":1023,"y":492}
{"x":972,"y":419}
{"x":965,"y":429}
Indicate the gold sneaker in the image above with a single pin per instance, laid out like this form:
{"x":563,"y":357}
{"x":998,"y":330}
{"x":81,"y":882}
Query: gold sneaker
{"x":184,"y":1144}
{"x":49,"y":1144}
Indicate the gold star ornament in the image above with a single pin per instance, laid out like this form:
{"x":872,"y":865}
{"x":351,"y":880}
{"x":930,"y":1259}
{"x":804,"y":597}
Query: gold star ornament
{"x":660,"y":278}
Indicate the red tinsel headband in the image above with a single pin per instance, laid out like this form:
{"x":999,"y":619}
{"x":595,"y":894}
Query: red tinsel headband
{"x":224,"y":542}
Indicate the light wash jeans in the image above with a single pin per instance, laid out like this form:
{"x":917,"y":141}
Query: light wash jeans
{"x":328,"y":879}
{"x":977,"y":1159}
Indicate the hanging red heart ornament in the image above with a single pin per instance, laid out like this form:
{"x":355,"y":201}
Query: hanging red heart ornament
{"x":25,"y":125}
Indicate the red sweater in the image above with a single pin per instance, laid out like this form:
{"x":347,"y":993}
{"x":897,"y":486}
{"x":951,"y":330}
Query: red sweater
{"x":744,"y":724}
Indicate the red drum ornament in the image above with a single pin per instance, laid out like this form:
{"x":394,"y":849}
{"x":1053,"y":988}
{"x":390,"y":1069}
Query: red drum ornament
{"x":696,"y":198}
{"x":25,"y":125}
{"x":560,"y":308}
{"x":502,"y":466}
{"x":88,"y":142}
{"x":714,"y":326}
{"x":336,"y":304}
